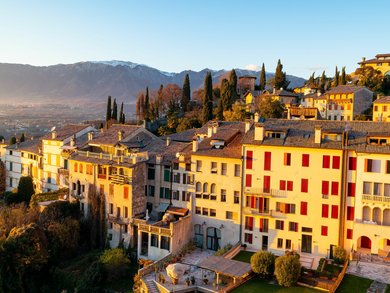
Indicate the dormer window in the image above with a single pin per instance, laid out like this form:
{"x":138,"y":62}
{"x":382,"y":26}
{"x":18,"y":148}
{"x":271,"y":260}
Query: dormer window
{"x":275,"y":134}
{"x":379,"y":140}
{"x":332,"y":137}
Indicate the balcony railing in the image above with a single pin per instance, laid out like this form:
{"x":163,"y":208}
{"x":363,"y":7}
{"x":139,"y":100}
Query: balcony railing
{"x":265,"y":191}
{"x":119,"y":220}
{"x":120,"y":179}
{"x":256,"y":211}
{"x":386,"y":222}
{"x":376,"y":198}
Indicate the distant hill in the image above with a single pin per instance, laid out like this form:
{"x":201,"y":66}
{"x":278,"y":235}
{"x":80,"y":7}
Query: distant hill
{"x":94,"y":81}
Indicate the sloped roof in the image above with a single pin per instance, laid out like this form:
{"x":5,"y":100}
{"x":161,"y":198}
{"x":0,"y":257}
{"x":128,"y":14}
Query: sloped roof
{"x":66,"y":131}
{"x":110,"y":136}
{"x":383,"y":100}
{"x":31,"y":146}
{"x":346,"y":89}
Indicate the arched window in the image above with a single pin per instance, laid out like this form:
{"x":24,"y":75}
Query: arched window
{"x":75,"y":167}
{"x":213,"y":238}
{"x":198,"y":187}
{"x":386,"y":217}
{"x":377,"y":215}
{"x":366,"y":213}
{"x":205,"y":187}
{"x":212,"y":188}
{"x":81,"y":168}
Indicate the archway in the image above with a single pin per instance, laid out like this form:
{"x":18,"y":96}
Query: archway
{"x":213,"y":238}
{"x":384,"y":246}
{"x":364,"y":243}
{"x":386,"y":217}
{"x":377,"y":215}
{"x":366,"y":213}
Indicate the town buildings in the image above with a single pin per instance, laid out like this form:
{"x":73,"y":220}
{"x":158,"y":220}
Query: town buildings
{"x":381,"y":109}
{"x":381,"y":62}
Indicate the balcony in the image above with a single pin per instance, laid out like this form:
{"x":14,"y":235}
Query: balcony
{"x":278,"y":214}
{"x":376,"y":199}
{"x":257,"y":212}
{"x":78,"y":194}
{"x":120,"y":179}
{"x":265,"y":191}
{"x":63,"y":171}
{"x":119,"y":220}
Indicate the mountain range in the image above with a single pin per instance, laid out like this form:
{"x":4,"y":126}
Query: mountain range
{"x":95,"y":80}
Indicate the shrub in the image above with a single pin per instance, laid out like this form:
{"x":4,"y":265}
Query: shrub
{"x":115,"y":263}
{"x":91,"y":279}
{"x":321,"y":265}
{"x":223,"y":250}
{"x":339,"y":255}
{"x":263,"y":263}
{"x":287,"y":269}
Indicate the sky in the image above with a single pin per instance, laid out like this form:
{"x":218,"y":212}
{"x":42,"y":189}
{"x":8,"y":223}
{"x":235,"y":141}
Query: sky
{"x":172,"y":35}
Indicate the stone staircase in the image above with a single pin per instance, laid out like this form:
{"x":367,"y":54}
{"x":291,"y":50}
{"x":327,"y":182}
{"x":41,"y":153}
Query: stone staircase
{"x":151,"y":285}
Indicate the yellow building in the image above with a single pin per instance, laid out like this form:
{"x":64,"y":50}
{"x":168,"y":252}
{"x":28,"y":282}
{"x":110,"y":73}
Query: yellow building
{"x":381,"y":109}
{"x":285,"y":97}
{"x":381,"y":62}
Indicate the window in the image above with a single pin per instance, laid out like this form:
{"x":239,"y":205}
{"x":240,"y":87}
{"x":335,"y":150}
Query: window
{"x":212,"y":188}
{"x":126,"y":212}
{"x":237,"y":170}
{"x":249,"y":159}
{"x":367,"y":187}
{"x":165,"y":242}
{"x":335,"y":188}
{"x":223,"y":195}
{"x":336,"y":162}
{"x":118,"y":211}
{"x":287,"y":159}
{"x":111,"y":208}
{"x":351,"y":189}
{"x":307,"y":229}
{"x":167,"y":193}
{"x":229,"y":215}
{"x":205,"y":211}
{"x":280,"y":243}
{"x":75,"y":167}
{"x":248,"y":238}
{"x":248,"y":180}
{"x":236,"y":197}
{"x":213,"y":212}
{"x":304,"y":185}
{"x":223,"y":168}
{"x":304,"y":208}
{"x":350,"y":213}
{"x":263,"y":225}
{"x":110,"y":225}
{"x":282,"y":184}
{"x":349,"y":233}
{"x":167,"y":173}
{"x":290,"y":185}
{"x":326,"y":161}
{"x":325,"y":187}
{"x":286,"y":208}
{"x":175,"y":194}
{"x":279,"y":225}
{"x":197,"y":210}
{"x":305,"y":160}
{"x":386,"y":189}
{"x":249,"y":223}
{"x":324,"y":230}
{"x":205,"y":187}
{"x":151,"y":172}
{"x":335,"y":212}
{"x":267,"y":184}
{"x":154,"y":240}
{"x":267,"y":161}
{"x":377,"y":189}
{"x":387,"y":167}
{"x":325,"y":211}
{"x":293,"y":226}
{"x":125,"y":192}
{"x":372,"y":165}
{"x":288,"y":243}
{"x":198,"y":166}
{"x":176,"y":177}
{"x":214,"y":168}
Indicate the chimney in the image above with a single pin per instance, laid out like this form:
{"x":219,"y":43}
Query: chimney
{"x":168,"y":141}
{"x":72,"y":142}
{"x":256,"y":117}
{"x":288,"y":113}
{"x":317,"y":134}
{"x":195,"y":144}
{"x":247,"y":125}
{"x":90,"y":135}
{"x":215,"y":127}
{"x":209,"y":130}
{"x":120,"y":135}
{"x":259,"y":131}
{"x":53,"y":134}
{"x":363,"y":59}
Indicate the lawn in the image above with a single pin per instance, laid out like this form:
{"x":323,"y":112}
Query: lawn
{"x":259,"y":285}
{"x":354,"y":284}
{"x":244,"y":256}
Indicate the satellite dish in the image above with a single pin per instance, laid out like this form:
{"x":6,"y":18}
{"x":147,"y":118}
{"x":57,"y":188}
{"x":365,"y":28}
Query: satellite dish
{"x":53,"y":128}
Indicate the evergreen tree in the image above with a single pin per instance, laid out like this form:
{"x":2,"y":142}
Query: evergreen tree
{"x":336,"y":78}
{"x":101,"y":125}
{"x":207,"y":99}
{"x":108,"y":113}
{"x":225,"y":95}
{"x":280,"y":80}
{"x":147,"y":105}
{"x":123,"y":120}
{"x":311,"y":81}
{"x":263,"y":79}
{"x":322,"y":82}
{"x":220,"y":110}
{"x":121,"y":114}
{"x":114,"y":111}
{"x":343,"y":77}
{"x":233,"y":86}
{"x":159,"y":101}
{"x":12,"y":140}
{"x":22,"y":138}
{"x":25,"y":189}
{"x":186,"y":95}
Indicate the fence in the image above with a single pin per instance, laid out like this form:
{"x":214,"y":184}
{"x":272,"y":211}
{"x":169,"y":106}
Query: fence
{"x":339,"y":278}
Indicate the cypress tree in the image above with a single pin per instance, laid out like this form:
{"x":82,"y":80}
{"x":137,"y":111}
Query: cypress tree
{"x":336,"y":78}
{"x":322,"y":82}
{"x":263,"y":79}
{"x":311,"y":81}
{"x":343,"y":77}
{"x":220,"y":109}
{"x":159,"y":101}
{"x":207,"y":99}
{"x":186,"y":95}
{"x":108,"y":113}
{"x":147,"y":105}
{"x":12,"y":140}
{"x":233,"y":86}
{"x":114,"y":111}
{"x":22,"y":138}
{"x":280,"y":80}
{"x":123,"y":120}
{"x":142,"y":107}
{"x":225,"y":95}
{"x":121,"y":114}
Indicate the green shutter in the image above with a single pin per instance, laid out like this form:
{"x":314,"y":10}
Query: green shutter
{"x":161,"y":192}
{"x":167,"y":175}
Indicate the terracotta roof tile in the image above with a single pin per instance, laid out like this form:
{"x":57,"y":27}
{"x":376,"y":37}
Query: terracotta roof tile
{"x":383,"y":100}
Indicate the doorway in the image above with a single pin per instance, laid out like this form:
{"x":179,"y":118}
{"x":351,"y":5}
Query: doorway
{"x":264,"y":245}
{"x":306,"y":243}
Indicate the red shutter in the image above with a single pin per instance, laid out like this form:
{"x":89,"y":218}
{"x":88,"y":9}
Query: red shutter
{"x":351,"y":189}
{"x":267,"y":161}
{"x":324,"y":230}
{"x":303,"y":208}
{"x":335,"y":212}
{"x":287,"y":159}
{"x":250,"y":223}
{"x":325,"y":187}
{"x":126,"y":192}
{"x":249,"y":159}
{"x":248,"y":180}
{"x":250,"y":238}
{"x":305,"y":160}
{"x":336,"y":162}
{"x":349,"y":233}
{"x":304,"y":185}
{"x":282,"y":225}
{"x":261,"y":225}
{"x":326,"y":161}
{"x":267,"y":184}
{"x":350,"y":213}
{"x":261,"y":204}
{"x":352,"y":163}
{"x":325,"y":211}
{"x":296,"y":227}
{"x":290,"y":185}
{"x":335,"y":188}
{"x":253,"y":202}
{"x":282,"y":184}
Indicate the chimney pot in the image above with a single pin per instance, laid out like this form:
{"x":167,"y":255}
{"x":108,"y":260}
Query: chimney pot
{"x":53,"y":134}
{"x":247,"y":125}
{"x":256,"y":117}
{"x":259,"y":131}
{"x":209,"y":130}
{"x":195,"y":145}
{"x":168,"y":141}
{"x":317,"y":134}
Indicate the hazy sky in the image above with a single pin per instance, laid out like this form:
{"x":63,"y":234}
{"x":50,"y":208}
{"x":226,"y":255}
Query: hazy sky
{"x":177,"y":35}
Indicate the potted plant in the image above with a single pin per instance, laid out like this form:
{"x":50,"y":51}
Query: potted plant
{"x":192,"y":280}
{"x":188,"y":281}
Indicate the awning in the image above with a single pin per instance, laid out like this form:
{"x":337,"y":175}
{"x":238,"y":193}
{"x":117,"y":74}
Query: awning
{"x":226,"y":267}
{"x":178,"y":211}
{"x":162,"y":207}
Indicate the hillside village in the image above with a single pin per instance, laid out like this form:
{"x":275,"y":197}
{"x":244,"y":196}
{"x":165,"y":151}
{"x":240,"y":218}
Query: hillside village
{"x":310,"y":175}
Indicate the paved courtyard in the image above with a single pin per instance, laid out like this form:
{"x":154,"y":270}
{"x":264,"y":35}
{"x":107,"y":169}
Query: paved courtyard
{"x":373,"y":271}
